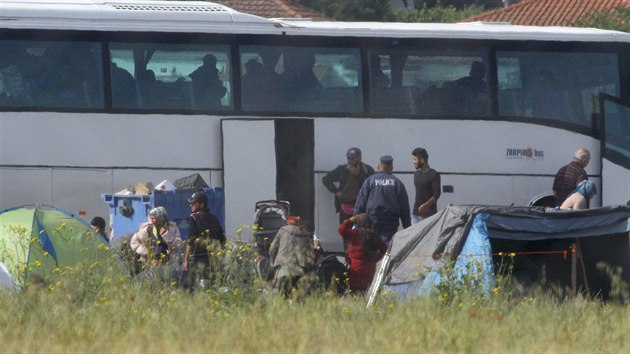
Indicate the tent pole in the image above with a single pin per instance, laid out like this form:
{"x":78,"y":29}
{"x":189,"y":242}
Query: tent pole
{"x":573,"y":269}
{"x":582,"y":265}
{"x":376,"y":284}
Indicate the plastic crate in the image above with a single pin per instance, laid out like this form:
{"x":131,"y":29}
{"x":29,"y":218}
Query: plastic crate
{"x":192,"y":182}
{"x":128,"y":212}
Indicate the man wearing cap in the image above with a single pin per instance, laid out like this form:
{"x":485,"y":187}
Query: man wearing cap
{"x":427,"y":182}
{"x":205,"y":235}
{"x":384,"y":198}
{"x":350,"y":178}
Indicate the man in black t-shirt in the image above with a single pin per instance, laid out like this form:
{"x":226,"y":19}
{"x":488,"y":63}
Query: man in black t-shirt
{"x":428,"y":186}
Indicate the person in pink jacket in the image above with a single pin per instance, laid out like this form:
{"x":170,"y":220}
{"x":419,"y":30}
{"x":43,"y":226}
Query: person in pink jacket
{"x":157,"y":241}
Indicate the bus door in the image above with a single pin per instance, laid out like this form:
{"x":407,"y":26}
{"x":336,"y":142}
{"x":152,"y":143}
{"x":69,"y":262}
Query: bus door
{"x":615,"y":148}
{"x":266,"y":159}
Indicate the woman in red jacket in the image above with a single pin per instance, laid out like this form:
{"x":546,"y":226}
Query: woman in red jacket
{"x":365,"y":249}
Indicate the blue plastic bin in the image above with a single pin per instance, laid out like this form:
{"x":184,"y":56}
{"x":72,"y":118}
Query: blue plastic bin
{"x":128,"y":212}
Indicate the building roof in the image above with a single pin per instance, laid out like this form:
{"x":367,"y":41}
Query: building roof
{"x":273,"y":8}
{"x":548,"y":12}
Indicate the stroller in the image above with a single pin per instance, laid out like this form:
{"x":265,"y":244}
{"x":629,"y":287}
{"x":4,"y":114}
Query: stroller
{"x":271,"y":215}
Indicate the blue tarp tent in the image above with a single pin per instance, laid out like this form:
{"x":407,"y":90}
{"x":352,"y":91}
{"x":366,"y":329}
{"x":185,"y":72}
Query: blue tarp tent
{"x":563,"y":246}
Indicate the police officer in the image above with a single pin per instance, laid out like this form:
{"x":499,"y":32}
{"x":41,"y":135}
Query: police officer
{"x":384,"y":198}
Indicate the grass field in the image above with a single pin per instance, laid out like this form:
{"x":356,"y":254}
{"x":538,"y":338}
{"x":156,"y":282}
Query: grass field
{"x":87,"y":312}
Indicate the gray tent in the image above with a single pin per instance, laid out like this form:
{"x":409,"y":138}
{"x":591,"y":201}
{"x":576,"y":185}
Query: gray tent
{"x":6,"y":280}
{"x":563,"y":245}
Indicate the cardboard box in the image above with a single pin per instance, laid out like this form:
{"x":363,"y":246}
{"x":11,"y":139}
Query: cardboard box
{"x":144,"y":188}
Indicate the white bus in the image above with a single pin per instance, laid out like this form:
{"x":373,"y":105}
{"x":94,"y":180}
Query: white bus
{"x":98,"y":95}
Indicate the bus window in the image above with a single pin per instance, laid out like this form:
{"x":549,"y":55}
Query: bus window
{"x":171,"y":76}
{"x":50,"y":74}
{"x":428,"y":83}
{"x":297,"y":79}
{"x":558,"y":86}
{"x":617,"y":125}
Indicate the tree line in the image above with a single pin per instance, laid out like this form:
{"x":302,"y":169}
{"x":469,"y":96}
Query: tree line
{"x":382,"y":10}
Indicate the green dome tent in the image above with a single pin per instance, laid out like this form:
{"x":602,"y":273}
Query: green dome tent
{"x":38,"y":240}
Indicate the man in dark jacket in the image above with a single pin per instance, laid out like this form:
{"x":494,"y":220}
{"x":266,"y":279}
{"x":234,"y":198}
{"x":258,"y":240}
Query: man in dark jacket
{"x":205,"y":237}
{"x":384,"y":198}
{"x":568,"y":176}
{"x":350,"y":178}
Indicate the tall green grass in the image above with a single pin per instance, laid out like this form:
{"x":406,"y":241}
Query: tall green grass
{"x":103,"y":311}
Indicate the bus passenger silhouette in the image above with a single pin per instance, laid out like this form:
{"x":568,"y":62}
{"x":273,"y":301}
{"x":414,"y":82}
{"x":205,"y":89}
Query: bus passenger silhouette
{"x":378,"y":79}
{"x":300,"y":83}
{"x":547,"y":97}
{"x":208,"y":88}
{"x":254,"y":85}
{"x":471,"y":93}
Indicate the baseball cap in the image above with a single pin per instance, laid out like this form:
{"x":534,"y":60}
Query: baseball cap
{"x":387,"y":160}
{"x":353,"y":152}
{"x":198,"y":197}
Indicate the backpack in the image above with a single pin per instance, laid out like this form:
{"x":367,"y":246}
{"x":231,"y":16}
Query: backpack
{"x":331,"y":273}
